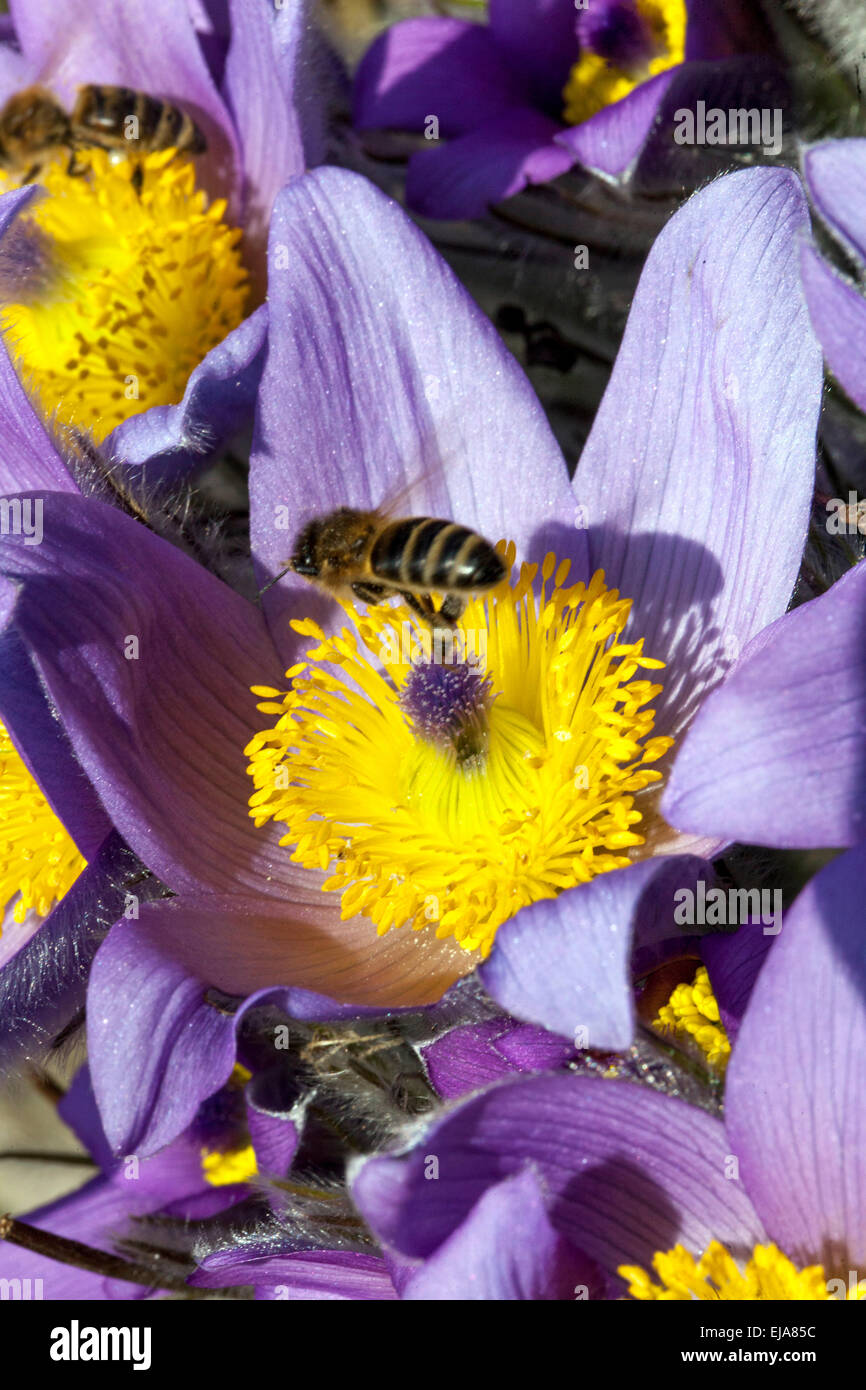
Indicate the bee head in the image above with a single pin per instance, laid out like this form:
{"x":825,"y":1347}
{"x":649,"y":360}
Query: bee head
{"x":305,"y":556}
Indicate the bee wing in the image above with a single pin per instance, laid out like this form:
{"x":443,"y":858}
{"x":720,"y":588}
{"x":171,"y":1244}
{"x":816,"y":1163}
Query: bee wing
{"x":413,"y":498}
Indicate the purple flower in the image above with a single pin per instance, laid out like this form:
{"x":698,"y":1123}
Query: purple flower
{"x":777,"y":754}
{"x":627,"y":1173}
{"x":835,"y":173}
{"x":377,"y":357}
{"x":262,"y":117}
{"x":206,"y":1170}
{"x":499,"y":94}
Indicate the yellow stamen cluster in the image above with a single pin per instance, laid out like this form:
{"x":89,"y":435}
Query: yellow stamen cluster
{"x":39,"y":860}
{"x":594,"y":83}
{"x":768,"y":1276}
{"x":143,"y":279}
{"x":692,"y":1011}
{"x":235,"y":1165}
{"x":408,"y":832}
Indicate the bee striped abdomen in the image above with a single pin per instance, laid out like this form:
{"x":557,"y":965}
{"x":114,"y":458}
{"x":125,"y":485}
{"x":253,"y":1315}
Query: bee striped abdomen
{"x":428,"y":553}
{"x":101,"y":115}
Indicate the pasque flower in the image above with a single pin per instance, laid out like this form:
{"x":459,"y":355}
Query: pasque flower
{"x":378,"y":359}
{"x":206,"y":1170}
{"x":125,"y":286}
{"x":504,"y":94}
{"x":668,"y":1200}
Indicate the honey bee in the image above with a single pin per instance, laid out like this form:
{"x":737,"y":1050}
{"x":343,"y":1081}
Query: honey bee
{"x":34,"y":126}
{"x":369,"y":556}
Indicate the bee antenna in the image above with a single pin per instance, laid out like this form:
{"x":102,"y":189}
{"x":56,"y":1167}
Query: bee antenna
{"x":271,"y":582}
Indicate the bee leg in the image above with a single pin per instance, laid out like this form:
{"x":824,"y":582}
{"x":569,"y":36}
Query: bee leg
{"x":370,"y":593}
{"x":137,"y":179}
{"x":422,"y":605}
{"x":453,"y":607}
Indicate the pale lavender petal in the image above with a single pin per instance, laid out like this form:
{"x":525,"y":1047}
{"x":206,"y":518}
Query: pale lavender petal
{"x":627,"y":1171}
{"x":382,"y":372}
{"x":446,"y":68}
{"x":168,"y":441}
{"x":276,"y":104}
{"x":462,"y":177}
{"x":506,"y":1249}
{"x":795,"y":1105}
{"x":306,"y":1274}
{"x":838,"y":312}
{"x":707,"y":428}
{"x":776,"y":755}
{"x":565,"y":963}
{"x":835,"y":173}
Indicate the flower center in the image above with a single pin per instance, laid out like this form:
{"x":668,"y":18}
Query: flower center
{"x":768,"y":1276}
{"x":692,"y":1012}
{"x":137,"y":280}
{"x":39,"y":860}
{"x":622,"y":45}
{"x":459,"y":777}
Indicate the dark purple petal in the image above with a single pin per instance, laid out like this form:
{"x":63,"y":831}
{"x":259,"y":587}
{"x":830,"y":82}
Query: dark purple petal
{"x":776,"y":754}
{"x":42,"y":744}
{"x":836,"y":176}
{"x":95,"y":1214}
{"x":275,"y":101}
{"x":795,"y":1108}
{"x":565,"y":963}
{"x":151,"y":1065}
{"x":706,"y":429}
{"x":505,"y":1249}
{"x":382,"y":372}
{"x":756,"y":84}
{"x":627,"y":1171}
{"x":151,"y":48}
{"x":306,"y":1274}
{"x":838,"y":312}
{"x":446,"y":68}
{"x":168,"y":441}
{"x":45,"y":967}
{"x":610,"y":140}
{"x":722,"y":31}
{"x":462,"y":177}
{"x":465,"y":1059}
{"x":733,"y":961}
{"x":275,"y":1140}
{"x":78,"y":1110}
{"x":540,"y":39}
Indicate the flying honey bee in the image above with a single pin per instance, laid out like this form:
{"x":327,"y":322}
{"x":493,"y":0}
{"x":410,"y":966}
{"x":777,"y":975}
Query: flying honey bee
{"x":369,"y":556}
{"x":34,"y":126}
